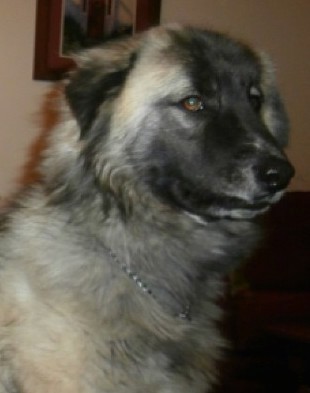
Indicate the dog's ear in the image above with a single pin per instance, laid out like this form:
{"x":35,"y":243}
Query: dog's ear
{"x":274,"y":113}
{"x":98,"y":77}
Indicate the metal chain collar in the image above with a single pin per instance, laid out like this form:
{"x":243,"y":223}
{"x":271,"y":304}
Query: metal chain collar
{"x":186,"y":312}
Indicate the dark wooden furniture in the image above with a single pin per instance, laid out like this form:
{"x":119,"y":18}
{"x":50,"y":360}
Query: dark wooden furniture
{"x":270,"y":320}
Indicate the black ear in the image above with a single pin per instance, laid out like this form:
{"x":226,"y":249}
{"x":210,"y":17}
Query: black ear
{"x":96,"y":79}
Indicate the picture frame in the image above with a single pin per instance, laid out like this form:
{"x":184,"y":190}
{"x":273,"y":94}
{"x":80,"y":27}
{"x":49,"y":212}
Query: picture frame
{"x":49,"y":61}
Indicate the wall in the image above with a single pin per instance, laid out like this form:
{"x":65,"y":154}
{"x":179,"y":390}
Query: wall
{"x":19,"y":95}
{"x":279,"y":26}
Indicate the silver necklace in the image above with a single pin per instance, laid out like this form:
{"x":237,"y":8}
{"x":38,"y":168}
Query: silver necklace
{"x":185,"y":314}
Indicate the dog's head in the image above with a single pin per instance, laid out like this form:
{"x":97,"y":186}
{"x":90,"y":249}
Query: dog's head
{"x":190,"y":116}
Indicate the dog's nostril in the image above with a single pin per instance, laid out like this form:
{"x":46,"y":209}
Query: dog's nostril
{"x":275,"y":174}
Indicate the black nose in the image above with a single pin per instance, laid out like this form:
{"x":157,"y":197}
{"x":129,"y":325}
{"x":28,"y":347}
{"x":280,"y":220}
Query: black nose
{"x":274,"y":173}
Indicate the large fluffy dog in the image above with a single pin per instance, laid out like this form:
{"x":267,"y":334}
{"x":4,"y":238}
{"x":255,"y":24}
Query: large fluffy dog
{"x":169,"y":146}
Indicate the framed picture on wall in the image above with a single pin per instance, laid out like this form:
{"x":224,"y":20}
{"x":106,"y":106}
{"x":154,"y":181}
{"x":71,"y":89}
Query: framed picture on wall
{"x":67,"y":26}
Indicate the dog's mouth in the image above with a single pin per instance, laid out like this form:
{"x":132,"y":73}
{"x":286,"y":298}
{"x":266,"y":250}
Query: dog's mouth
{"x":210,"y":205}
{"x":236,"y":210}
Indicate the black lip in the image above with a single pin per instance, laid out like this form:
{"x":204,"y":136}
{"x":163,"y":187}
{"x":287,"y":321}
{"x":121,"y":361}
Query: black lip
{"x":246,"y":211}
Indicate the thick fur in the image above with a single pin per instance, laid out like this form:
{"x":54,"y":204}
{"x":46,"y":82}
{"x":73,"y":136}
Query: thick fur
{"x":134,"y":182}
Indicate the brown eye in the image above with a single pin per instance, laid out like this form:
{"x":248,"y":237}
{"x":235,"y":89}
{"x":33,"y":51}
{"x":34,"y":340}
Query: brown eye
{"x":193,"y":104}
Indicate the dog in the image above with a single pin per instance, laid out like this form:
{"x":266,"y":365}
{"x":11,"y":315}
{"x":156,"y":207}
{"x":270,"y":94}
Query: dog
{"x":169,"y":145}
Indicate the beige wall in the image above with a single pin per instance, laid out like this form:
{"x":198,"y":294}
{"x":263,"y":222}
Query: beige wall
{"x":19,"y":94}
{"x":279,"y":26}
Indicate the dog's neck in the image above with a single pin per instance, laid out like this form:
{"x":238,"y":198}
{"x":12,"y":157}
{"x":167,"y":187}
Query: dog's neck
{"x":142,"y":286}
{"x":146,"y":236}
{"x":145,"y":244}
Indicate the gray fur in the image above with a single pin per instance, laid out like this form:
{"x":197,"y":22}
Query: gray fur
{"x":71,"y":320}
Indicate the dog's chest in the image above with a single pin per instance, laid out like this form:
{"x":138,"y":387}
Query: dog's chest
{"x":83,"y":356}
{"x":135,"y":366}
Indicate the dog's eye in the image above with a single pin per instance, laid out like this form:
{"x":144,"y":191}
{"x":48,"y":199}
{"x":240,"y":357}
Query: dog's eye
{"x":193,"y":103}
{"x":255,"y":98}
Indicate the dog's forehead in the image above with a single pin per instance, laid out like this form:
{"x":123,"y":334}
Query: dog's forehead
{"x":173,"y":64}
{"x":202,"y":55}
